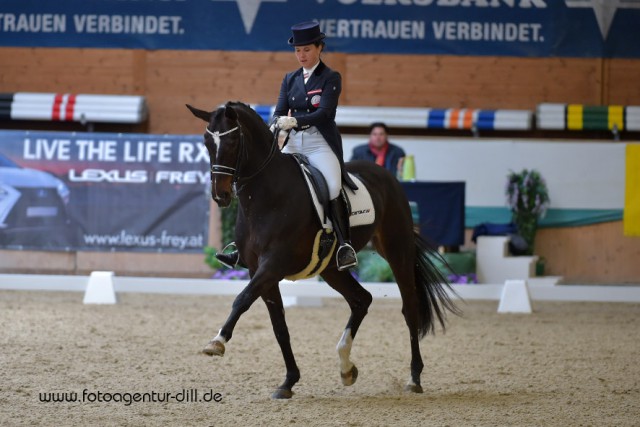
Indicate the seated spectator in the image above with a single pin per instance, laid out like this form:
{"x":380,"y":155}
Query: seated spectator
{"x":380,"y":150}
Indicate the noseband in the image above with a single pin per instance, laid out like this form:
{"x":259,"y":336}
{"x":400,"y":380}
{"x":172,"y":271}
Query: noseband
{"x":217,"y":169}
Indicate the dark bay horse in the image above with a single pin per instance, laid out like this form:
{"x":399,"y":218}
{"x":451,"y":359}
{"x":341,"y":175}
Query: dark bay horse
{"x":275,"y":231}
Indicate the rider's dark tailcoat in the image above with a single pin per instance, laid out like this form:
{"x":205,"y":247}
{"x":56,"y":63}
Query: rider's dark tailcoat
{"x":314,"y":104}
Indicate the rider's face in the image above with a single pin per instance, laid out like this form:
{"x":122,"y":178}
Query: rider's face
{"x":308,"y":55}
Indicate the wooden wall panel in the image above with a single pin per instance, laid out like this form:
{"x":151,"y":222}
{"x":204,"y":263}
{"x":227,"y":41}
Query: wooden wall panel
{"x":474,"y":82}
{"x":208,"y":79}
{"x":143,"y":264}
{"x":622,"y":85}
{"x":68,"y":70}
{"x":169,"y":79}
{"x":597,"y":253}
{"x":37,"y":262}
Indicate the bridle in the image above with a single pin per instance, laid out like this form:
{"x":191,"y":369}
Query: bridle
{"x":222,"y":169}
{"x":217,"y":169}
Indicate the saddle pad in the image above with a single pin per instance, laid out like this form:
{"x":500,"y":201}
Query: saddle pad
{"x":362,"y":210}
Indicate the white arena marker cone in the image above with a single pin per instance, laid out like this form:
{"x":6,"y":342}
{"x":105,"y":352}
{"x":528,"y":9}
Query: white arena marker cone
{"x":100,"y":288}
{"x":515,"y":297}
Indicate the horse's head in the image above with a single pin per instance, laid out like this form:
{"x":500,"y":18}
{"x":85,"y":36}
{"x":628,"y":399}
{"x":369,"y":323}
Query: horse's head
{"x":223,"y":139}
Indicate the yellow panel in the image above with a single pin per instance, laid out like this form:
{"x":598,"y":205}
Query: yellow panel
{"x":574,"y":117}
{"x":616,"y":116}
{"x":632,"y":192}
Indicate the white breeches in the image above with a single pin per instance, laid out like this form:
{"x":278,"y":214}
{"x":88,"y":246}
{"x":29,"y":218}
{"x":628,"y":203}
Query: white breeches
{"x":311,"y":143}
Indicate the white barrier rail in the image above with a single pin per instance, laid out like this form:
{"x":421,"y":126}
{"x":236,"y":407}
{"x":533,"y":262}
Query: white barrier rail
{"x":311,"y":288}
{"x":429,"y":118}
{"x":73,"y":107}
{"x":578,"y":117}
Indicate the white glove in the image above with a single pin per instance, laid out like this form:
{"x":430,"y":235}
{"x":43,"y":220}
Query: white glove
{"x":286,"y":122}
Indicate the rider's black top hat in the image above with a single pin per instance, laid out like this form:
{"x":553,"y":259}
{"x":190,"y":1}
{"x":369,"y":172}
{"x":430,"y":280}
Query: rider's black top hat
{"x":306,"y":33}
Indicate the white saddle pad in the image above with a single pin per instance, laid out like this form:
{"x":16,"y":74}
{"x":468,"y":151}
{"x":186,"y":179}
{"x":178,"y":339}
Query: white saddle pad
{"x":362,"y":210}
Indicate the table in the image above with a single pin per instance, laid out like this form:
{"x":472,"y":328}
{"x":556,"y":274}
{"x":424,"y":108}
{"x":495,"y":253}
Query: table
{"x":440,"y":208}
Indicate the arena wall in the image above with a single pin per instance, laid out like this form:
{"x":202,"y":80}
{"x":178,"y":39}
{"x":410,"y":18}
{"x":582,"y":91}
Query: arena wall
{"x":169,"y":79}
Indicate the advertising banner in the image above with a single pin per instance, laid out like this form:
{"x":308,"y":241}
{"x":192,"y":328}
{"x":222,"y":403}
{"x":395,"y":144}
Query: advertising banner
{"x":101,"y":191}
{"x":530,"y":28}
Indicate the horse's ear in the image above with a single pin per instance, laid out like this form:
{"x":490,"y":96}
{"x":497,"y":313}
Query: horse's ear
{"x":230,"y":113}
{"x":200,"y":113}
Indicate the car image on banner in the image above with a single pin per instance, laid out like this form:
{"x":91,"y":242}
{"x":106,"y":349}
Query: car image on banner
{"x":33,"y":207}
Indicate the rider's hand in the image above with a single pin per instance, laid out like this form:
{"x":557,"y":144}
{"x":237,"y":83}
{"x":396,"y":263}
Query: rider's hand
{"x":286,"y":122}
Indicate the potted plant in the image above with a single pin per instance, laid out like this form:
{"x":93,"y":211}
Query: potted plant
{"x":528,"y":199}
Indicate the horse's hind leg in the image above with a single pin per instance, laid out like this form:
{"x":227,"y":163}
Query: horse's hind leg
{"x":273,"y":300}
{"x":411,"y":316}
{"x":359,"y":300}
{"x":400,"y":256}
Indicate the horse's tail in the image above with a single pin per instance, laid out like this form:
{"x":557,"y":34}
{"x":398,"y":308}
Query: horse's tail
{"x":431,"y":287}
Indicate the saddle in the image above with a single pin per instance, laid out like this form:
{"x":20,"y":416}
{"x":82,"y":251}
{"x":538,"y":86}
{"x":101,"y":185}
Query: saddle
{"x":359,"y":203}
{"x":318,"y":189}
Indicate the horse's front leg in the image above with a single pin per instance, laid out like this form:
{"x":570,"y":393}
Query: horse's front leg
{"x":273,"y":300}
{"x":259,"y":284}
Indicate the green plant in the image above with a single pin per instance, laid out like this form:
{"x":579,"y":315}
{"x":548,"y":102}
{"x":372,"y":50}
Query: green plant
{"x":210,"y":258}
{"x":228,"y":225}
{"x":373,"y":268}
{"x":228,"y":221}
{"x":528,"y":199}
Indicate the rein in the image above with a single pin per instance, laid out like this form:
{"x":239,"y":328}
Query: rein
{"x":217,"y":169}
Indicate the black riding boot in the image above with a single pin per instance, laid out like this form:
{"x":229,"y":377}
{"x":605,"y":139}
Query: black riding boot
{"x":230,"y":259}
{"x":346,"y":255}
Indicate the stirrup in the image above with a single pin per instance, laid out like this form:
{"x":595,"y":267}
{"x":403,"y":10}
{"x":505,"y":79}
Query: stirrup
{"x":349,"y":263}
{"x":229,"y":260}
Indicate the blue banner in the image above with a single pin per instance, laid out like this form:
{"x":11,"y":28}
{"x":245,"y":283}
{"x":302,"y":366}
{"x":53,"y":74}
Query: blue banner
{"x":531,"y":28}
{"x":102,"y":191}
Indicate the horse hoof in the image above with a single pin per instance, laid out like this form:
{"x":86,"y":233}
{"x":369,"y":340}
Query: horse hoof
{"x":413,"y":388}
{"x":282,"y":393}
{"x":349,"y":378}
{"x":214,"y":348}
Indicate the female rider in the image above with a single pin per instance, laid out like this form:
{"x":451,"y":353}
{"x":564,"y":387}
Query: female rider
{"x":307,"y":104}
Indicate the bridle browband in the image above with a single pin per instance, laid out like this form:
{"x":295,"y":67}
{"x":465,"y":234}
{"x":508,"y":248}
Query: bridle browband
{"x":217,"y":169}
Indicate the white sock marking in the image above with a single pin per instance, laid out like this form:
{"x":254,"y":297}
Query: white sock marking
{"x":344,"y":351}
{"x":220,"y":338}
